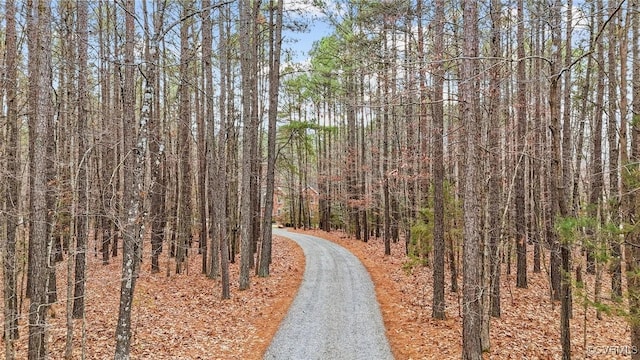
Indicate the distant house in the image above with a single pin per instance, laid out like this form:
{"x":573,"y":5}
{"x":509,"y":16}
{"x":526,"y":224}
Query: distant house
{"x":312,"y":196}
{"x":279,"y":203}
{"x":282,"y":201}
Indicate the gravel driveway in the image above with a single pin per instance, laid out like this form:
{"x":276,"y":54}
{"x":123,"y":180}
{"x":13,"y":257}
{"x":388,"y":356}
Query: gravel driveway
{"x":335,"y":314}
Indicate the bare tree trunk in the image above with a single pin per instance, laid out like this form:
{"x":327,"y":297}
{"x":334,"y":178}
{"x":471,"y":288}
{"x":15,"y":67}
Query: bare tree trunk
{"x":226,"y":152}
{"x":11,"y":196}
{"x":386,"y":196}
{"x":567,"y":150}
{"x":106,"y":137}
{"x":275,"y":42}
{"x":612,"y":132}
{"x":115,"y":198}
{"x":597,"y":182}
{"x":537,"y":166}
{"x":558,"y":200}
{"x":632,"y":250}
{"x":248,"y":63}
{"x":220,"y":183}
{"x":82,"y":228}
{"x":157,"y":185}
{"x":472,"y":259}
{"x":206,"y":142}
{"x":134,"y":196}
{"x":183,"y":241}
{"x":495,"y":180}
{"x":623,"y":138}
{"x":519,"y":186}
{"x":438,"y":164}
{"x":39,"y":33}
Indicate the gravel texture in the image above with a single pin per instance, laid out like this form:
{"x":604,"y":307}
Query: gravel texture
{"x":335,"y":314}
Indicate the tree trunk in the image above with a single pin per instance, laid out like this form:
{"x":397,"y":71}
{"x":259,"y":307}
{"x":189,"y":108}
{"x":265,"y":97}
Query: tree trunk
{"x":82,"y":228}
{"x":184,"y":146}
{"x":472,"y":253}
{"x":612,"y":132}
{"x":12,"y":191}
{"x":632,"y":251}
{"x":206,"y":142}
{"x":39,"y":33}
{"x":495,"y":180}
{"x":519,"y":186}
{"x":597,"y":181}
{"x":623,"y":138}
{"x":558,"y":200}
{"x":157,"y":185}
{"x":224,"y":154}
{"x":438,"y":165}
{"x":247,"y":63}
{"x":275,"y":42}
{"x":134,"y":196}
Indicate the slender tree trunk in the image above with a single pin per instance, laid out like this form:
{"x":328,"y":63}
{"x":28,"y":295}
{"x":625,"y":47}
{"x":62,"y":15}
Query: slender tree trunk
{"x":616,"y":287}
{"x":632,"y":251}
{"x":206,"y":120}
{"x":106,"y":136}
{"x":82,"y":228}
{"x":558,"y":201}
{"x":134,"y":195}
{"x":612,"y":132}
{"x":584,"y":111}
{"x":386,"y":196}
{"x":521,"y":130}
{"x":39,"y":33}
{"x":249,"y":138}
{"x":184,"y":146}
{"x":275,"y":41}
{"x":493,"y":137}
{"x":115,"y":201}
{"x":224,"y":154}
{"x":11,"y":196}
{"x":567,"y":128}
{"x":438,"y":165}
{"x":472,"y":259}
{"x":157,"y":185}
{"x":597,"y":182}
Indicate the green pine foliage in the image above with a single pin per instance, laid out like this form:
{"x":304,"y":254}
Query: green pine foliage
{"x":421,"y":241}
{"x":587,"y":233}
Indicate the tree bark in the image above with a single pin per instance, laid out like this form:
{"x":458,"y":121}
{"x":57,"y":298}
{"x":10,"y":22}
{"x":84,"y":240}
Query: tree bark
{"x":248,"y":63}
{"x":82,"y":228}
{"x":157,"y":185}
{"x":135,"y":193}
{"x":12,"y":188}
{"x":597,"y":182}
{"x":472,"y":253}
{"x":558,"y":200}
{"x":632,"y":250}
{"x":275,"y":41}
{"x":614,"y":152}
{"x":206,"y":143}
{"x":438,"y":311}
{"x":521,"y":131}
{"x":39,"y":33}
{"x":184,"y":240}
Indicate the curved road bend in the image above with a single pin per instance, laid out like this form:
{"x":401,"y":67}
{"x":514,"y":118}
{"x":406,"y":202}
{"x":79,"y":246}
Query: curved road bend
{"x":335,"y":315}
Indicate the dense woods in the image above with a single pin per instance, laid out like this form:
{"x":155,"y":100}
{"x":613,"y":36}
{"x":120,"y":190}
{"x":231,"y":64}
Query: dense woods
{"x":478,"y":134}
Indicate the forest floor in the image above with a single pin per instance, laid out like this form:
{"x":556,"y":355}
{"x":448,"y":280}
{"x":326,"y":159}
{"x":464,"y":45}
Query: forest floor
{"x":529,"y":327}
{"x":183,"y":317}
{"x":177,"y":317}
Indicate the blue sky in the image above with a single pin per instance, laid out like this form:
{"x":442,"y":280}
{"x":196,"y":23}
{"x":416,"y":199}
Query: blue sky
{"x":300,"y":43}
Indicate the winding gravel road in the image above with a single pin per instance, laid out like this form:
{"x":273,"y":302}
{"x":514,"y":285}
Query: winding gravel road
{"x":335,"y":314}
